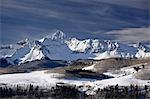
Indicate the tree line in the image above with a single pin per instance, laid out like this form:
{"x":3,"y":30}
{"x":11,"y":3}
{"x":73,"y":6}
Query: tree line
{"x":122,"y":92}
{"x":64,"y":91}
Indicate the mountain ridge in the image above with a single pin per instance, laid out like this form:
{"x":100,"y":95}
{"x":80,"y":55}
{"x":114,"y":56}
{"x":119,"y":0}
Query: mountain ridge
{"x":60,"y":47}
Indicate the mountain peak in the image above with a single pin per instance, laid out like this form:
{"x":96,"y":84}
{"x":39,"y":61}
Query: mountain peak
{"x":58,"y":35}
{"x":37,"y":52}
{"x":23,"y":42}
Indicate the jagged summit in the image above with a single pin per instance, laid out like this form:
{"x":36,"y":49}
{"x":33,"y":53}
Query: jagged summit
{"x":23,"y":42}
{"x":142,"y":47}
{"x":37,"y":52}
{"x":58,"y":35}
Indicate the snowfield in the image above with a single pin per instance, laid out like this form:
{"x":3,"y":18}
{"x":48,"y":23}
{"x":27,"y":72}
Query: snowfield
{"x":124,"y":77}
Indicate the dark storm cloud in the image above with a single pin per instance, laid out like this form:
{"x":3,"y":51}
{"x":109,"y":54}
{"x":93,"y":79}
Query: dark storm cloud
{"x":34,"y":18}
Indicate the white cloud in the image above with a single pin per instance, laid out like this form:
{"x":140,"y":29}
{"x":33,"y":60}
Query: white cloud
{"x":131,"y":34}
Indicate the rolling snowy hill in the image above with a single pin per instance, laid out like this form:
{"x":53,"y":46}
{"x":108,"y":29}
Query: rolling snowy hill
{"x":122,"y":77}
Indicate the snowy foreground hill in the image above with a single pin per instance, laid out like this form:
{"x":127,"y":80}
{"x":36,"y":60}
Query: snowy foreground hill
{"x":45,"y":79}
{"x":60,"y":47}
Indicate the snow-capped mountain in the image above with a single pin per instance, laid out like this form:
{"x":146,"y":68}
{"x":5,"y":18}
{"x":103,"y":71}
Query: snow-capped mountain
{"x":19,"y":53}
{"x":37,"y":52}
{"x":60,"y":47}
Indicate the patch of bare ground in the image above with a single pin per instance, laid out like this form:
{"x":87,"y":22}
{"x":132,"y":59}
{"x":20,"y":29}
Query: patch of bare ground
{"x":74,"y":66}
{"x":101,"y":65}
{"x":57,"y":70}
{"x":10,"y":71}
{"x":117,"y":63}
{"x":143,"y":74}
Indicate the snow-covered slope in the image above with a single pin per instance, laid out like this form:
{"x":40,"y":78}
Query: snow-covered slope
{"x":8,"y":50}
{"x":79,"y":46}
{"x":20,"y":53}
{"x":60,"y":47}
{"x":143,"y":51}
{"x":48,"y":80}
{"x":37,"y":52}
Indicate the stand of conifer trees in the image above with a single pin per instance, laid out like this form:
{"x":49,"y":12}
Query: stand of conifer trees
{"x":6,"y":91}
{"x":122,"y":92}
{"x":71,"y":92}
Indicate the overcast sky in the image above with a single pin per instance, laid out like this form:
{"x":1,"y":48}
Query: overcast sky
{"x":34,"y":19}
